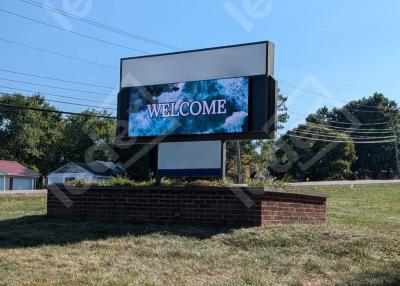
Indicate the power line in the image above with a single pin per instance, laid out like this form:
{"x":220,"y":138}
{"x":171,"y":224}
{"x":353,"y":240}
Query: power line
{"x":78,"y":104}
{"x":338,"y":141}
{"x":312,"y":132}
{"x":54,"y":111}
{"x":359,"y":110}
{"x":99,"y":25}
{"x":351,"y":129}
{"x":72,"y":32}
{"x":355,"y":130}
{"x":341,"y":122}
{"x":71,"y":103}
{"x":52,"y":94}
{"x":345,"y":108}
{"x":56,"y":79}
{"x":360,"y":124}
{"x":295,"y":86}
{"x":361,"y":132}
{"x":355,"y":124}
{"x":335,"y":136}
{"x":56,"y":87}
{"x":57,"y":54}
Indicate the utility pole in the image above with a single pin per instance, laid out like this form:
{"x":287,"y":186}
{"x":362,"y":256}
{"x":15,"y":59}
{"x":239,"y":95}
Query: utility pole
{"x":396,"y":150}
{"x":239,"y":168}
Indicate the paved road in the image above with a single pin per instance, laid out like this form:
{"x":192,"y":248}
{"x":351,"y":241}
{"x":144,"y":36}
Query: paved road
{"x":23,"y":193}
{"x":344,"y":183}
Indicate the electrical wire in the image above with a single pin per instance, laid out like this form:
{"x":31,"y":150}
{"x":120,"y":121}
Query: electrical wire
{"x":344,"y":128}
{"x":72,"y":32}
{"x":55,"y":79}
{"x":345,"y":108}
{"x":351,"y":129}
{"x":359,"y":124}
{"x":339,"y":141}
{"x":57,"y":87}
{"x":57,"y":54}
{"x":71,"y":103}
{"x":335,"y":136}
{"x":341,"y":122}
{"x":54,"y":111}
{"x":99,"y":25}
{"x":295,"y":86}
{"x":55,"y":95}
{"x":356,"y":126}
{"x":79,"y":104}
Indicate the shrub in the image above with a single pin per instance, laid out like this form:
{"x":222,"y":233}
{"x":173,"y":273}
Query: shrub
{"x":81,"y":183}
{"x":126,"y":182}
{"x":272,"y":182}
{"x":170,"y":182}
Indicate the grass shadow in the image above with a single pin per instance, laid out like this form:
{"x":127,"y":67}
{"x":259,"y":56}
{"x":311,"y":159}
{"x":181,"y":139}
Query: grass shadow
{"x":40,"y":230}
{"x":390,"y":276}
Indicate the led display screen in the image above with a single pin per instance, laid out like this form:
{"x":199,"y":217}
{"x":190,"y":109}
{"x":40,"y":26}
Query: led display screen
{"x":216,"y":94}
{"x":218,"y":106}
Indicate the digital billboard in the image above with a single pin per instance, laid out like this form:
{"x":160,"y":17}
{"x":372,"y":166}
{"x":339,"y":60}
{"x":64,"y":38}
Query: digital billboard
{"x":224,"y":93}
{"x":192,"y":108}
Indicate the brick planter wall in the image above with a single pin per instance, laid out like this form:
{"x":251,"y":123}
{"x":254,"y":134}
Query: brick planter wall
{"x":198,"y":205}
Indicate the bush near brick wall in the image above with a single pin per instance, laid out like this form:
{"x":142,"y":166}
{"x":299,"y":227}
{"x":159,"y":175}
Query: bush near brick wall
{"x":195,"y":205}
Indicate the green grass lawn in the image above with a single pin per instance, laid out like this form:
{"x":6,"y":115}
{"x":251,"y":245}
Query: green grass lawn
{"x":359,"y":245}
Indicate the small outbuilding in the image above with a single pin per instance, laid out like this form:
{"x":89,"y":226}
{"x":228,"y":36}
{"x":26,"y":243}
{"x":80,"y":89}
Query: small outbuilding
{"x":15,"y":176}
{"x":93,"y":171}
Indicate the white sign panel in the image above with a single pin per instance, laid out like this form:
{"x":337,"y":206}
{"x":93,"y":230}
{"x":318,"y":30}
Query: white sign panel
{"x":229,"y":62}
{"x":191,"y":158}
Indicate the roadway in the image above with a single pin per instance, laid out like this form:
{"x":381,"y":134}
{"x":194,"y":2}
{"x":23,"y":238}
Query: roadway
{"x":344,"y":183}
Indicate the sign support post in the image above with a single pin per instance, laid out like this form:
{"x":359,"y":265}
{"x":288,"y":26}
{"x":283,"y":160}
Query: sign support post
{"x":238,"y":163}
{"x":223,"y":160}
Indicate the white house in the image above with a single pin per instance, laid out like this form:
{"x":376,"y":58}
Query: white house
{"x":94,"y":171}
{"x":14,"y":176}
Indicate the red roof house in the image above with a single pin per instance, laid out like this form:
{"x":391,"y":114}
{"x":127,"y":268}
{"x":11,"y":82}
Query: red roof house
{"x":14,"y":176}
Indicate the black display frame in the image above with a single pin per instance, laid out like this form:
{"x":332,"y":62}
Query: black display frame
{"x":262,"y":96}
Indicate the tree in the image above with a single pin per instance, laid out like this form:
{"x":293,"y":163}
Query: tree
{"x":248,"y":154}
{"x":138,"y":160}
{"x":267,"y":148}
{"x":283,"y":115}
{"x":326,"y":155}
{"x":373,"y":112}
{"x":88,"y":138}
{"x":28,"y":136}
{"x":44,"y":141}
{"x":257,"y":152}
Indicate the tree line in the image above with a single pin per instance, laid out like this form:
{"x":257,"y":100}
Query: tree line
{"x":326,"y":147}
{"x":45,"y":141}
{"x":355,"y":141}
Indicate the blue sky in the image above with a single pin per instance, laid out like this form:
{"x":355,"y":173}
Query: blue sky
{"x":340,"y":48}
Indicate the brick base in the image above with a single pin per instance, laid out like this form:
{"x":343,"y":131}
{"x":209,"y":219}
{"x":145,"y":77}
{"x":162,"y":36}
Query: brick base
{"x":194,"y":205}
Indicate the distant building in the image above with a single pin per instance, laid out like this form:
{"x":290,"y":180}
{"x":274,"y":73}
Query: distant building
{"x":94,"y":171}
{"x":14,"y":176}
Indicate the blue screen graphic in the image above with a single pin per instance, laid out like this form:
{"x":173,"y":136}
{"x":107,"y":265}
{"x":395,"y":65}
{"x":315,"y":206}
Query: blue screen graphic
{"x":199,"y":107}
